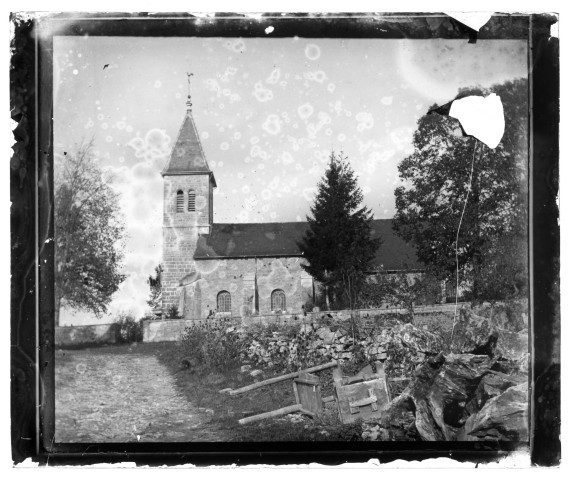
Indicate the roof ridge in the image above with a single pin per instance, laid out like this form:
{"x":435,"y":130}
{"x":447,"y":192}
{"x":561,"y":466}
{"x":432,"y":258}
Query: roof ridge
{"x":281,"y":223}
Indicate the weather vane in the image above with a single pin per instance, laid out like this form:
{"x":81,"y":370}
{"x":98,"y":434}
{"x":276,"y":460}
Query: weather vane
{"x":189,"y":102}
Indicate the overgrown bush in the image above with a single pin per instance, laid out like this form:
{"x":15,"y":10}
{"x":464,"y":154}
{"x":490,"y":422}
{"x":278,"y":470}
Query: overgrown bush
{"x":217,"y":346}
{"x":129,"y":329}
{"x":172,"y":312}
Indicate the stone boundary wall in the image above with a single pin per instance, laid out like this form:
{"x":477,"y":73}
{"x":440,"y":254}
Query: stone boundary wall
{"x":84,"y":335}
{"x":171,"y":330}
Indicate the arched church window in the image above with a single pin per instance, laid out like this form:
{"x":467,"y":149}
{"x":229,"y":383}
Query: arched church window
{"x":278,"y":301}
{"x":179,"y":201}
{"x":224,"y":302}
{"x":191,"y":201}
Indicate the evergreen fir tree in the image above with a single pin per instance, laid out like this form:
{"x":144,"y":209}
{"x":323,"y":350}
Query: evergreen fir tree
{"x":338,"y":243}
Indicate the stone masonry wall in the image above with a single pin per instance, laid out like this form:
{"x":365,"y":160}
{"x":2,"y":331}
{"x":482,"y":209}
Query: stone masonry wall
{"x":86,"y":335}
{"x":241,"y":278}
{"x":171,"y":330}
{"x":181,"y":229}
{"x":179,"y":245}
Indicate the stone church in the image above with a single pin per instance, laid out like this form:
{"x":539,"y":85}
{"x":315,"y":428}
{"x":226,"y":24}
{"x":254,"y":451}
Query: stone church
{"x":237,"y":269}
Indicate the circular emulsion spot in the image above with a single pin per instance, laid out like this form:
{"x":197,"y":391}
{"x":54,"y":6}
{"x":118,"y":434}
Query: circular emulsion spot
{"x":312,"y":51}
{"x":319,"y":76}
{"x":305,"y":111}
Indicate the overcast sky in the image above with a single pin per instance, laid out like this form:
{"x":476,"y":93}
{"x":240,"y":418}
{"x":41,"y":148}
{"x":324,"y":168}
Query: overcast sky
{"x":269,"y":112}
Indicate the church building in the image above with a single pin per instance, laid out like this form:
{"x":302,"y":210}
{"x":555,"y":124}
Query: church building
{"x":237,"y":269}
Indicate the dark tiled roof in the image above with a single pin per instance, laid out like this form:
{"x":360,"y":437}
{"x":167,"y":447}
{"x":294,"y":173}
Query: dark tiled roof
{"x":246,"y":240}
{"x":187,"y":155}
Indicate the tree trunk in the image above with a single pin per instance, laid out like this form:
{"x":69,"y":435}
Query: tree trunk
{"x":327,"y":300}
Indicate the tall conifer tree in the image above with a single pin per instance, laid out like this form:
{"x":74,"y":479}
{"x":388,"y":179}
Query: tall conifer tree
{"x":338,"y":243}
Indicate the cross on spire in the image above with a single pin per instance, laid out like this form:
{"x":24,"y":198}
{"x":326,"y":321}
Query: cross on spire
{"x":189,"y":101}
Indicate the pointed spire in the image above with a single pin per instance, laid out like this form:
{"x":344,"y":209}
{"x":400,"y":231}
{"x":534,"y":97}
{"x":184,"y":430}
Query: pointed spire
{"x":187,"y":156}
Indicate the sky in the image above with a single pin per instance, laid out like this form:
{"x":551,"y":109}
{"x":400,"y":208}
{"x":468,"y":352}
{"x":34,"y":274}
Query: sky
{"x":269,"y":112}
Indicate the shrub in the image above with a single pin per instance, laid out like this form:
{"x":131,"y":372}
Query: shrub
{"x":172,"y":312}
{"x":129,"y":329}
{"x":217,"y":346}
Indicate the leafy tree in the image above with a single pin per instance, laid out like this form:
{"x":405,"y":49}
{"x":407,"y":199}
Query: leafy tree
{"x":89,"y":234}
{"x":436,"y":180}
{"x":155,"y":284}
{"x":337,"y":244}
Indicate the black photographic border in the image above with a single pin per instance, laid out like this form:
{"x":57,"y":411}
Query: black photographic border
{"x":32,"y":252}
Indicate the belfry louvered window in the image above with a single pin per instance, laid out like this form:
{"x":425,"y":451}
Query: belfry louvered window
{"x":179,"y":201}
{"x":191,"y":201}
{"x":278,"y":301}
{"x":224,"y":302}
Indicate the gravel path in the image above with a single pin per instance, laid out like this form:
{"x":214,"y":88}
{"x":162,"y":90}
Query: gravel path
{"x":122,"y":397}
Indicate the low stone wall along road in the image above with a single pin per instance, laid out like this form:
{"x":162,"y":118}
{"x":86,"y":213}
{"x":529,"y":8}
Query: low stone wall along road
{"x":115,"y":394}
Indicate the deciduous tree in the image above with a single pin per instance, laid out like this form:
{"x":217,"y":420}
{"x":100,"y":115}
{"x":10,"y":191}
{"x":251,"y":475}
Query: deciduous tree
{"x":436,"y":180}
{"x":88,"y":234}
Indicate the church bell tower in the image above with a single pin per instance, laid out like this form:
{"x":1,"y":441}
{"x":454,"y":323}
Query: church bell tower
{"x":188,"y":206}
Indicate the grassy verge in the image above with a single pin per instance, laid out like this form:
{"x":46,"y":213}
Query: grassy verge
{"x":202,"y":388}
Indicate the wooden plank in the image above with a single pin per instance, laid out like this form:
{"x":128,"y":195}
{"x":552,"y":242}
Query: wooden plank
{"x":354,"y":401}
{"x":296,"y":392}
{"x":281,"y":378}
{"x":309,"y":391}
{"x":272,"y":414}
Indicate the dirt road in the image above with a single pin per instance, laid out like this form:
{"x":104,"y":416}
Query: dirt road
{"x":118,"y":395}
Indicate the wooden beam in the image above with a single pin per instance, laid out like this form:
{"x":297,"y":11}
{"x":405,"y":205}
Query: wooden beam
{"x":272,"y":414}
{"x":281,"y":378}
